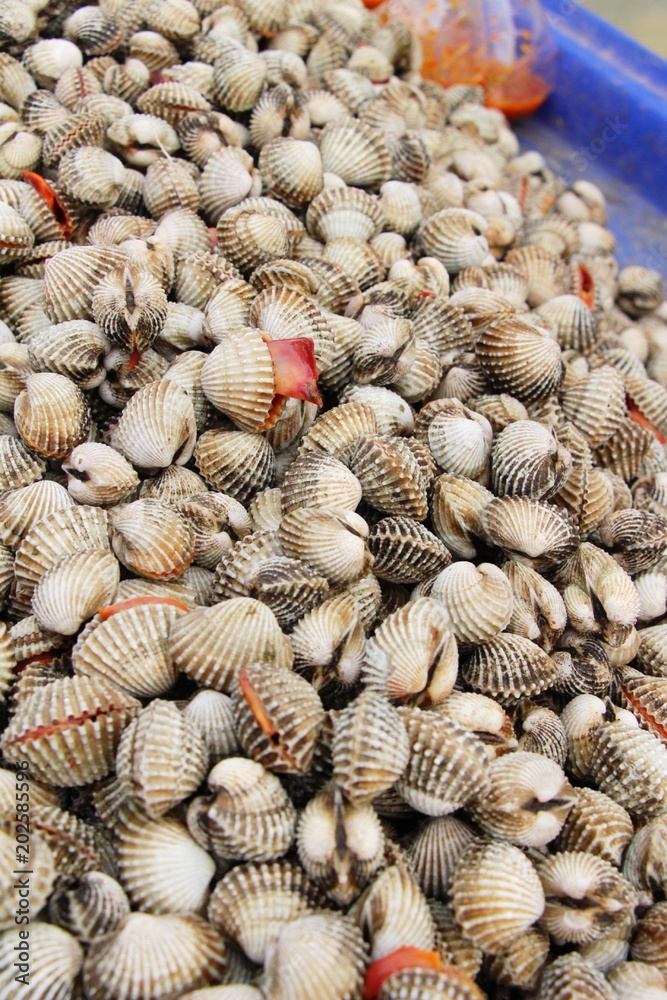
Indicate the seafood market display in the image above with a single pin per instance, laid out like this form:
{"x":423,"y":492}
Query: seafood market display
{"x":333,"y":526}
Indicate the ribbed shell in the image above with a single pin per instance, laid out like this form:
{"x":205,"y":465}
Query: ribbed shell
{"x":161,"y":733}
{"x":53,"y":970}
{"x":51,"y":414}
{"x":153,"y":956}
{"x":89,"y":905}
{"x":520,"y":360}
{"x":336,"y":974}
{"x":538,"y":611}
{"x":420,"y":984}
{"x":596,"y":405}
{"x":527,"y":801}
{"x":291,"y":170}
{"x":99,"y":475}
{"x":71,"y":277}
{"x":593,"y":888}
{"x":151,"y":539}
{"x":434,"y":851}
{"x":510,"y":667}
{"x":477,"y":600}
{"x":332,"y":542}
{"x":355,"y":152}
{"x":329,"y":643}
{"x":570,"y":977}
{"x":652,"y":652}
{"x":646,"y":698}
{"x":405,"y":551}
{"x":71,"y":591}
{"x":630,"y":765}
{"x":251,"y":817}
{"x":413,"y":654}
{"x":161,"y":867}
{"x":496,"y":894}
{"x":319,"y":480}
{"x":527,"y":460}
{"x":370,"y":747}
{"x":235,"y":462}
{"x":455,"y":237}
{"x":533,"y":532}
{"x":277,"y":718}
{"x":393,"y":913}
{"x":75,"y":349}
{"x":213,"y":644}
{"x":390,"y":476}
{"x":252,"y":903}
{"x":18,"y":465}
{"x":66,"y":531}
{"x":157,"y":427}
{"x":448,"y":764}
{"x":340,"y":844}
{"x":69,"y":730}
{"x":130,"y":650}
{"x":22,"y":508}
{"x":238,"y":378}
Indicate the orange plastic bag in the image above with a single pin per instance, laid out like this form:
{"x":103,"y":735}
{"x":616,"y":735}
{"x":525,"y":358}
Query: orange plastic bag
{"x":505,"y":46}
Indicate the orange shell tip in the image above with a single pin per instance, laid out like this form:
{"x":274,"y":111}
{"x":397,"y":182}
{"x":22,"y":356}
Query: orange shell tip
{"x":396,"y":961}
{"x":135,"y":602}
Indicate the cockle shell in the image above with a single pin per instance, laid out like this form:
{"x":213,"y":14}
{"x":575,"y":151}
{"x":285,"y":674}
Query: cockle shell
{"x":520,"y":360}
{"x":340,"y":212}
{"x":329,"y":643}
{"x":394,"y":910}
{"x":412,"y":655}
{"x":235,"y":462}
{"x":158,"y":790}
{"x":496,"y":894}
{"x":153,"y":955}
{"x":157,"y":428}
{"x":129,"y":649}
{"x":447,"y":765}
{"x":509,"y":667}
{"x":151,"y":539}
{"x":52,"y":973}
{"x":390,"y":476}
{"x":527,"y":460}
{"x":405,"y":551}
{"x":88,"y":905}
{"x":370,"y":747}
{"x":71,"y":591}
{"x":527,"y":801}
{"x":68,"y":530}
{"x":249,"y":818}
{"x":51,"y":414}
{"x":332,"y":542}
{"x":340,"y":844}
{"x":252,"y":903}
{"x":99,"y":475}
{"x":75,"y":349}
{"x":341,"y":954}
{"x":69,"y":730}
{"x":533,"y":532}
{"x":22,"y":508}
{"x":637,"y":979}
{"x":571,"y":976}
{"x":206,"y":644}
{"x":161,"y":866}
{"x":462,"y":589}
{"x":434,"y":851}
{"x":601,"y":897}
{"x":277,"y":717}
{"x":630,"y":765}
{"x":538,"y":610}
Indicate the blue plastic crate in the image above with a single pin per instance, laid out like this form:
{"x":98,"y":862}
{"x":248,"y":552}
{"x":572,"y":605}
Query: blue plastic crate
{"x":607,"y":122}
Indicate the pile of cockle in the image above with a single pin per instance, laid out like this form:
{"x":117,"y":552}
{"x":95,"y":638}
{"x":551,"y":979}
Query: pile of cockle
{"x":333,"y":516}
